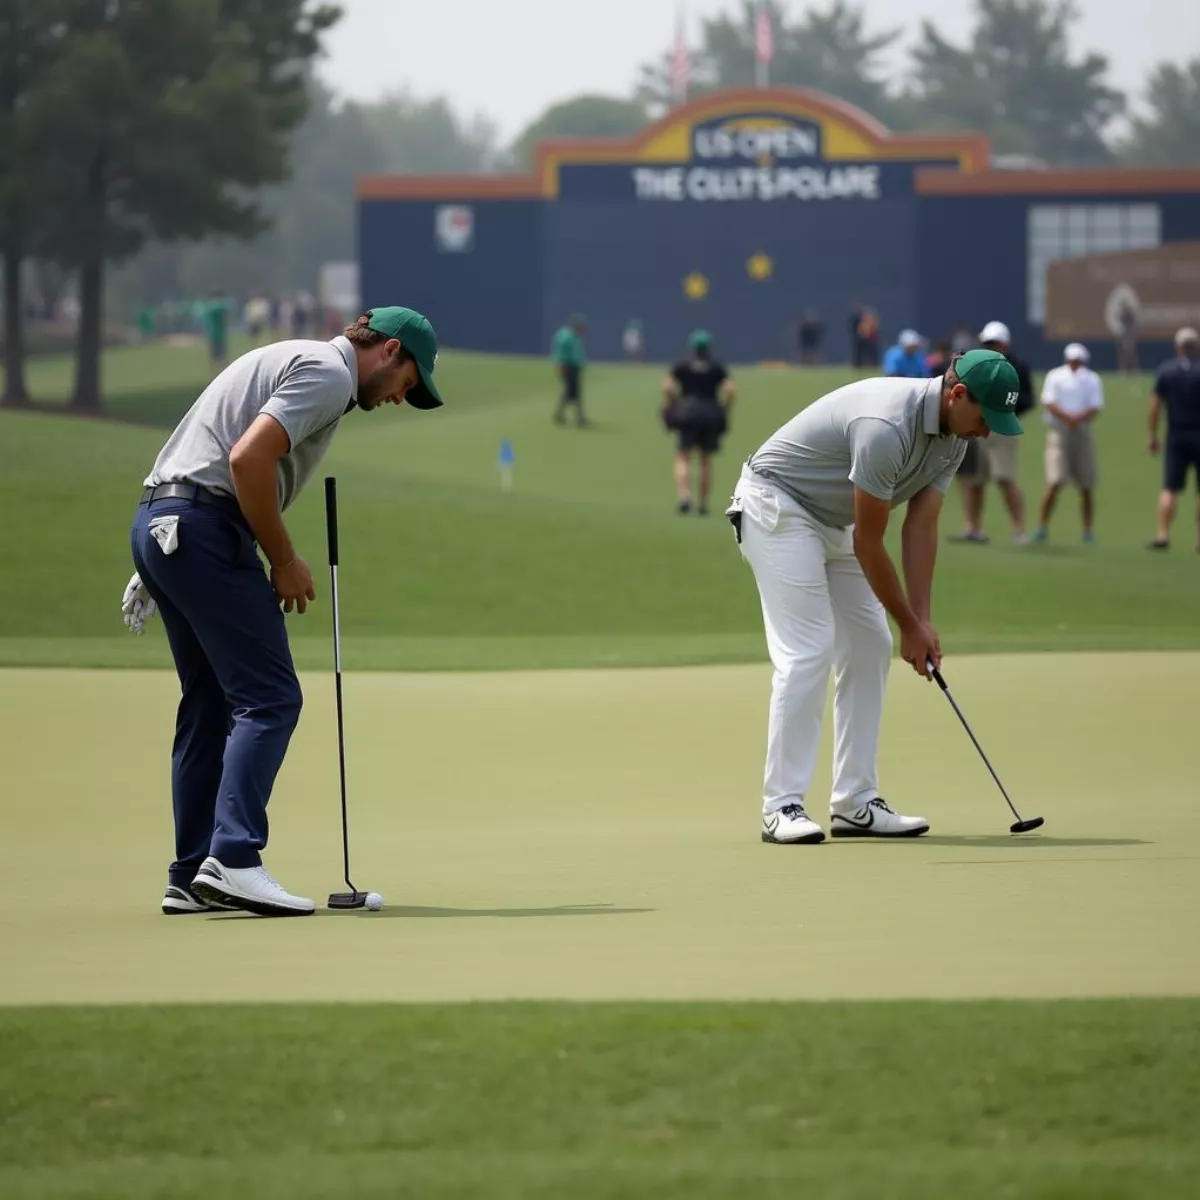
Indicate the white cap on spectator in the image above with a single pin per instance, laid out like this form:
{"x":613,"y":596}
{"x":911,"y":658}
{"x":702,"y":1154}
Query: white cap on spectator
{"x":1076,"y":352}
{"x":995,"y":331}
{"x":909,"y":337}
{"x":1185,"y":335}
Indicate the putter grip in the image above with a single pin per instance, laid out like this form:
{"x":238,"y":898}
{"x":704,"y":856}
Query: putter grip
{"x":331,"y":518}
{"x":937,"y":675}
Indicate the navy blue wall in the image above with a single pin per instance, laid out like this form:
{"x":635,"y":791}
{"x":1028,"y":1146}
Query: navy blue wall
{"x":486,"y":298}
{"x":972,"y":267}
{"x":1180,"y":215}
{"x":927,"y":261}
{"x":616,"y":261}
{"x":989,"y":232}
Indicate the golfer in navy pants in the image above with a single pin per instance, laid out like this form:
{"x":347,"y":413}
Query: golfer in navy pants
{"x":214,"y":499}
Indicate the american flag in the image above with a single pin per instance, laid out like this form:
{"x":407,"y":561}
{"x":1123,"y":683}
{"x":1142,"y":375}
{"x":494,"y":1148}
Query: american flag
{"x":764,"y":46}
{"x":681,"y":65}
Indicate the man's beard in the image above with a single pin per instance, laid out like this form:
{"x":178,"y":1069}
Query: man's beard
{"x":372,"y":393}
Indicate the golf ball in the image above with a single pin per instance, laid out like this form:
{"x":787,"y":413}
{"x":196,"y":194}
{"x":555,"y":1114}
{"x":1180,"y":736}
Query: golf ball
{"x":374,"y":901}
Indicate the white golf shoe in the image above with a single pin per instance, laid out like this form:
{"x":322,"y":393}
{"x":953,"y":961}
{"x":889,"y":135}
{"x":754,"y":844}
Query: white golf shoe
{"x":875,"y":819}
{"x":790,"y":826}
{"x":249,"y":888}
{"x":177,"y":901}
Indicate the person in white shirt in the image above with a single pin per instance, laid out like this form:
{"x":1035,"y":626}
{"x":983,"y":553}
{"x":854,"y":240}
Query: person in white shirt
{"x":1072,"y":397}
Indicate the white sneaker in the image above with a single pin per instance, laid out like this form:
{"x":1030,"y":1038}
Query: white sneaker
{"x":790,"y":826}
{"x":249,"y":888}
{"x":875,"y":819}
{"x":179,"y":900}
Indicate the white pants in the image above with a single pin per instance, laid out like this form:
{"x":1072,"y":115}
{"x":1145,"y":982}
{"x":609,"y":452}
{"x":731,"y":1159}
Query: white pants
{"x":819,"y":612}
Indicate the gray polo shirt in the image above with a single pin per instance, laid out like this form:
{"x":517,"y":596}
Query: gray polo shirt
{"x":307,"y":386}
{"x":877,"y":434}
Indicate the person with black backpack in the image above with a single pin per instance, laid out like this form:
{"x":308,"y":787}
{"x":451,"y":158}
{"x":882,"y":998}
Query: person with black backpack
{"x":995,"y":459}
{"x":697,"y":395}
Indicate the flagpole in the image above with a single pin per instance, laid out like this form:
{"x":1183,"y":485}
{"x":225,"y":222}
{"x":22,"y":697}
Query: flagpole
{"x":762,"y":43}
{"x":680,"y":61}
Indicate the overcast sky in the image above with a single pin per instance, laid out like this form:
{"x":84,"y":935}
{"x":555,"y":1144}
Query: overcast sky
{"x":509,"y":59}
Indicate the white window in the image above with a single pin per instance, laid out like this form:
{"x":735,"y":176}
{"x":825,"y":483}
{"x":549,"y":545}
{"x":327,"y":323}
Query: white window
{"x":1058,"y":231}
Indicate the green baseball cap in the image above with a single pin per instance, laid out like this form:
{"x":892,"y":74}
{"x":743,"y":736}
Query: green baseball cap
{"x":993,"y":384}
{"x":701,"y":337}
{"x":417,"y":337}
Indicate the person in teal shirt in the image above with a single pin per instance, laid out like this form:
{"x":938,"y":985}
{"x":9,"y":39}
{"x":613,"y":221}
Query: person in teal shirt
{"x":215,"y":315}
{"x":569,"y":355}
{"x":146,"y":322}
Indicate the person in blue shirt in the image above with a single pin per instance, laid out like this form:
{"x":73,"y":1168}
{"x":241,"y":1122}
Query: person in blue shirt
{"x":905,"y":358}
{"x":1177,"y":390}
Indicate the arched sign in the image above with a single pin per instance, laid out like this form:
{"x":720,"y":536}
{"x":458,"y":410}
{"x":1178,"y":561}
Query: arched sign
{"x":784,"y":145}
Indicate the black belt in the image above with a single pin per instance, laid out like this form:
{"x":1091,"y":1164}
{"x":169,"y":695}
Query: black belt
{"x":187,"y":491}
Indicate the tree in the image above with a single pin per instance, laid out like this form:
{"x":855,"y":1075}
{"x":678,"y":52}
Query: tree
{"x":309,"y":218}
{"x":420,"y":137}
{"x":581,"y":116}
{"x":1015,"y":81}
{"x":1169,"y":133}
{"x":24,"y":45}
{"x":313,"y":214}
{"x":828,"y":50}
{"x":164,"y":116}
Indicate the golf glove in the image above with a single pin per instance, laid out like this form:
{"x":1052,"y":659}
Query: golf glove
{"x":137,"y":605}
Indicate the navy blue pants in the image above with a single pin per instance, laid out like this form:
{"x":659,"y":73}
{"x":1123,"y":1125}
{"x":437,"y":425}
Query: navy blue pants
{"x":240,"y":697}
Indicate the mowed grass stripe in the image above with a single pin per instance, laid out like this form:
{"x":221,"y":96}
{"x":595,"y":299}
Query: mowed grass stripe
{"x":982,"y":1099}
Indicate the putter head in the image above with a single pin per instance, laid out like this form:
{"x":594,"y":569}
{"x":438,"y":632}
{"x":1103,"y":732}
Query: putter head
{"x":347,"y":899}
{"x":1027,"y":826}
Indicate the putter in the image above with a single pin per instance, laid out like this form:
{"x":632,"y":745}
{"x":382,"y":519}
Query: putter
{"x":353,"y":898}
{"x":1021,"y":826}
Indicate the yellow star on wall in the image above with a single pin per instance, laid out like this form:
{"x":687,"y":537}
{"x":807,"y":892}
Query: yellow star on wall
{"x":760,"y":266}
{"x":695,"y":286}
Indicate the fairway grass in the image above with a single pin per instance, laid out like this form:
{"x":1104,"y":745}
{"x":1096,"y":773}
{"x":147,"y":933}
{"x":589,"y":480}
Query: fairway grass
{"x":1065,"y":1099}
{"x":585,"y":563}
{"x":595,"y":835}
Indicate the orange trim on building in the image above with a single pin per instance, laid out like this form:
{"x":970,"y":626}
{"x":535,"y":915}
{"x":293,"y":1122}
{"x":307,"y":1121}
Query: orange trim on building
{"x":448,"y":187}
{"x":940,"y":181}
{"x":974,"y":149}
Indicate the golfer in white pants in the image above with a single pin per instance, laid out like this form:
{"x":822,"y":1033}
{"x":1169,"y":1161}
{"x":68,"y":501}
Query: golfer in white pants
{"x":811,"y":510}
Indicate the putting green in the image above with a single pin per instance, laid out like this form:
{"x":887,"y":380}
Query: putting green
{"x":594,"y":834}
